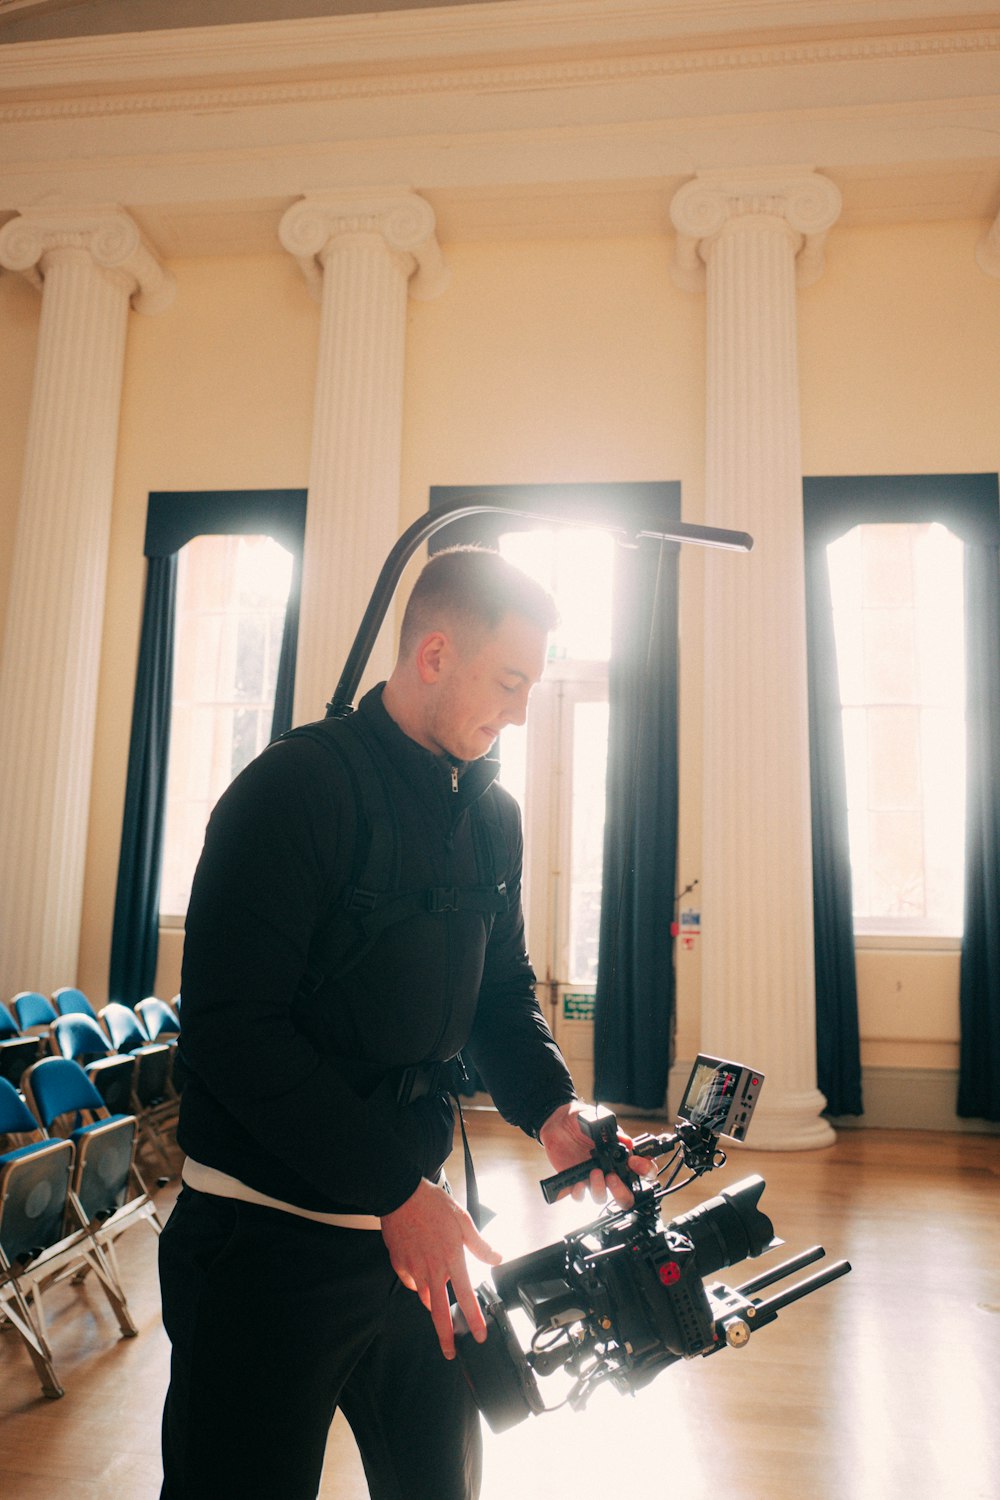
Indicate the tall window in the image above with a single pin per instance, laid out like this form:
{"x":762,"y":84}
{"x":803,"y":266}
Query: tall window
{"x":231,"y":598}
{"x":575,"y":565}
{"x":897,"y":594}
{"x":557,"y":771}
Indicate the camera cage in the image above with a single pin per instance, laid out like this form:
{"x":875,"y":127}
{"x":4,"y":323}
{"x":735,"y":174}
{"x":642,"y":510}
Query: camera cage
{"x":623,"y":1297}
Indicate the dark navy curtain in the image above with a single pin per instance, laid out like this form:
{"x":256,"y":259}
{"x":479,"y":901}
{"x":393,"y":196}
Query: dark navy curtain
{"x":968,"y":505}
{"x":838,"y":1039}
{"x":633,"y":1022}
{"x":979,"y":995}
{"x":633,"y":1016}
{"x":284,"y":687}
{"x":135,"y":933}
{"x":173,"y":519}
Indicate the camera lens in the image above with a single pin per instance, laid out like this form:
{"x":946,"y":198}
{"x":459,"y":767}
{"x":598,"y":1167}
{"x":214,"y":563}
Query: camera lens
{"x":728,"y":1228}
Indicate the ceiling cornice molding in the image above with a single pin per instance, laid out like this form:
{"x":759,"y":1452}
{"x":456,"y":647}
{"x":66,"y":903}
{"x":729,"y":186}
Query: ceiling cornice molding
{"x":515,"y":29}
{"x":527,"y":117}
{"x":185,"y":94}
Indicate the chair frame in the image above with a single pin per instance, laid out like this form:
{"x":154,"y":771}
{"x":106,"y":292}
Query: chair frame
{"x":152,"y":1005}
{"x":59,"y":1000}
{"x":33,"y":1028}
{"x":17,"y":1052}
{"x":74,"y":1254}
{"x":100,"y":1063}
{"x":156,"y":1117}
{"x":91,"y":1127}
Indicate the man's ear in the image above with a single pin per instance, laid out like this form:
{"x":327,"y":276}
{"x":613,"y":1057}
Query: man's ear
{"x":431,"y":656}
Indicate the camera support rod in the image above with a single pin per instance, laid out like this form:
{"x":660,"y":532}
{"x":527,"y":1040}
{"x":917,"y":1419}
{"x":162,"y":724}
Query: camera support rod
{"x":427,"y":525}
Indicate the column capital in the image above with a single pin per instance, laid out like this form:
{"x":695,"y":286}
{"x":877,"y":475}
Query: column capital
{"x":105,"y":232}
{"x":400,"y":217}
{"x":718,"y":202}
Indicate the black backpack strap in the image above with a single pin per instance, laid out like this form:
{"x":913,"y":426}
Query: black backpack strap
{"x":375,"y":899}
{"x":371,"y":900}
{"x":375,"y":858}
{"x":492,"y":853}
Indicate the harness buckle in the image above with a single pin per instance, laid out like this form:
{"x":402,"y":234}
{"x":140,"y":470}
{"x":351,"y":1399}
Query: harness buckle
{"x":443,"y":898}
{"x":360,"y":900}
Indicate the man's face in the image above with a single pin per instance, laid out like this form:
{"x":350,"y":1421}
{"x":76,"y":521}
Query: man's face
{"x":483,"y":687}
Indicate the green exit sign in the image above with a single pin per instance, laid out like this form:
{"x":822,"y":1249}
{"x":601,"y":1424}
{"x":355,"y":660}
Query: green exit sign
{"x":578,"y":1005}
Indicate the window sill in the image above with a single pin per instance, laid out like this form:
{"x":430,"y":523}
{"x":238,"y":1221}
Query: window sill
{"x":906,"y":942}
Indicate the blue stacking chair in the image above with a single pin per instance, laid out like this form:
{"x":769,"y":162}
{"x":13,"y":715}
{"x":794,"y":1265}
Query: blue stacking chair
{"x":161,"y":1021}
{"x":162,"y":1024}
{"x":36,"y":1245}
{"x":33,"y":1011}
{"x":107,"y":1195}
{"x":82,"y":1041}
{"x":73,"y":1002}
{"x":17,"y":1052}
{"x":154,"y":1100}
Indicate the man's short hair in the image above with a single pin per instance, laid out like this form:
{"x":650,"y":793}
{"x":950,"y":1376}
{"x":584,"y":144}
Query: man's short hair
{"x":473,"y":588}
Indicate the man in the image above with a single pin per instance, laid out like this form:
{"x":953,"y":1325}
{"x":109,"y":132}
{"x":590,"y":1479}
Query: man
{"x":355,"y":922}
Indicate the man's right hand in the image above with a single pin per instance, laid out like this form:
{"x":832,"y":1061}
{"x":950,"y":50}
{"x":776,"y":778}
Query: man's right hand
{"x":427,"y":1237}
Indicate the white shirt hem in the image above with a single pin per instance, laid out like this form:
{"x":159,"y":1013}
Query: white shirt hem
{"x":209,"y":1180}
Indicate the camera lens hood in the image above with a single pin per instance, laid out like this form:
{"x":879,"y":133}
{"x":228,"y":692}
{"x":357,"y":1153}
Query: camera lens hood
{"x":497,"y":1371}
{"x":728,"y":1228}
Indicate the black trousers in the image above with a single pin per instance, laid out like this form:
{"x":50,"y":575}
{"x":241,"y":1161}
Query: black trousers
{"x":274,"y":1322}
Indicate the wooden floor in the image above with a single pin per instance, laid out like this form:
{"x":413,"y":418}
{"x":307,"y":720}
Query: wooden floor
{"x":883,"y":1386}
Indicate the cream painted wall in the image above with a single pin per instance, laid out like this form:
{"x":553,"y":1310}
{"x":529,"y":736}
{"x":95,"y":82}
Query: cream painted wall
{"x":544,"y":361}
{"x":900,"y":354}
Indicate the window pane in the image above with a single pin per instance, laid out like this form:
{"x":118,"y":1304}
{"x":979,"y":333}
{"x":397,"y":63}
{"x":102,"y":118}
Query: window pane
{"x":250,"y":656}
{"x":231,"y":598}
{"x":898,"y":618}
{"x":575,"y":565}
{"x":512,"y":750}
{"x":590,"y":756}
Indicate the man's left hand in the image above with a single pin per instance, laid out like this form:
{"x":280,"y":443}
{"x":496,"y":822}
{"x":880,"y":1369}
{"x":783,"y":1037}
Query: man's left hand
{"x":567,"y":1144}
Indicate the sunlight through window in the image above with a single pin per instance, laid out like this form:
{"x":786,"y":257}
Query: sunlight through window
{"x":898,"y":619}
{"x":231,"y":598}
{"x":575,"y":564}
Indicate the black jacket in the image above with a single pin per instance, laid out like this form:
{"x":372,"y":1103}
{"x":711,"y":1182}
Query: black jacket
{"x":290,"y":1083}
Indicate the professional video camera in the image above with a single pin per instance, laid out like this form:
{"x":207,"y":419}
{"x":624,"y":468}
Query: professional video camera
{"x":624,"y":1297}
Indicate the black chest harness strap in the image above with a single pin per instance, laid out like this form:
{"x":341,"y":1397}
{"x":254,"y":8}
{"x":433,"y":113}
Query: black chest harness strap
{"x":374,"y":897}
{"x":373,"y":901}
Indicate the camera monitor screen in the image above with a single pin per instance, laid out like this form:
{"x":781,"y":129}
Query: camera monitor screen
{"x":721,"y":1096}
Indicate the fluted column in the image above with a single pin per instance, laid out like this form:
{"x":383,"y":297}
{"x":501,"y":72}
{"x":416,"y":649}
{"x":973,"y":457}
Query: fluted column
{"x":362,"y":254}
{"x":745,"y":234}
{"x":89,"y":265}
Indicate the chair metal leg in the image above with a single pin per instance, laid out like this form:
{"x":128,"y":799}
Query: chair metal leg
{"x":150,"y":1134}
{"x":18,"y":1314}
{"x":100,"y":1259}
{"x":112,"y":1289}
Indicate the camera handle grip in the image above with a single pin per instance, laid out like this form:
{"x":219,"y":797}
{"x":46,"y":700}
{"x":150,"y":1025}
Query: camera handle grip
{"x":609,"y":1155}
{"x":552,"y":1186}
